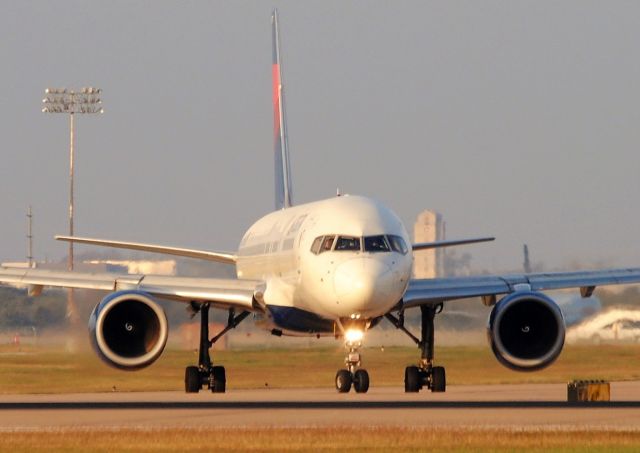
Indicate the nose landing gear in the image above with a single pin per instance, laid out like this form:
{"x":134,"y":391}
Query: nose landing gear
{"x":353,"y":375}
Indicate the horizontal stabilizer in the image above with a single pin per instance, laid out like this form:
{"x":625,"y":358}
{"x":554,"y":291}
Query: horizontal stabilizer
{"x":221,"y":257}
{"x":438,"y":244}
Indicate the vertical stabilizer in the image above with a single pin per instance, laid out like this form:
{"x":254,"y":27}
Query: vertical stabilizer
{"x":280,"y":147}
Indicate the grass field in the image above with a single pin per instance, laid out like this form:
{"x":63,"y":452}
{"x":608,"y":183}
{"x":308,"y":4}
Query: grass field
{"x":320,"y":439}
{"x":52,"y":370}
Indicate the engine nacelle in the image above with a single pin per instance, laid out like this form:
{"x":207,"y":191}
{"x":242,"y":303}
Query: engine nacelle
{"x":526,"y":331}
{"x":128,"y":330}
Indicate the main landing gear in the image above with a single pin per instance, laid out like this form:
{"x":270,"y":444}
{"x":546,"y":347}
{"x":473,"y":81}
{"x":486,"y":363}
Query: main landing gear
{"x":359,"y":378}
{"x":425,"y":374}
{"x":205,"y":374}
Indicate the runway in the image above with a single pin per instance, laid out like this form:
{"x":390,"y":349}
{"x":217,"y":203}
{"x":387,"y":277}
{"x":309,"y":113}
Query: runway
{"x":528,"y":406}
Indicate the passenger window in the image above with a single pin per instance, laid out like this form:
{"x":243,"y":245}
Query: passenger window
{"x":348,"y":243}
{"x":398,"y":244}
{"x":375,"y":244}
{"x":327,"y":243}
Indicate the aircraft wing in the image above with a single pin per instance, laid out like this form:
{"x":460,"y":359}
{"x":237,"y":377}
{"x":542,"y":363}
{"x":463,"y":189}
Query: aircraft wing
{"x":220,"y":292}
{"x":448,"y":243}
{"x":222,"y":257}
{"x":437,"y":290}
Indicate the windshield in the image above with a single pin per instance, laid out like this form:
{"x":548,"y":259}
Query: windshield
{"x":376,"y":244}
{"x":398,"y":244}
{"x":348,"y":243}
{"x":327,"y":243}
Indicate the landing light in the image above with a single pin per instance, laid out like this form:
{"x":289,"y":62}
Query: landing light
{"x":354,"y":335}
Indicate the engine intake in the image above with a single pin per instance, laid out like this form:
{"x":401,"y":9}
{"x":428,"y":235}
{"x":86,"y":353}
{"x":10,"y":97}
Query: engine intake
{"x":128,"y":330}
{"x":526,"y":331}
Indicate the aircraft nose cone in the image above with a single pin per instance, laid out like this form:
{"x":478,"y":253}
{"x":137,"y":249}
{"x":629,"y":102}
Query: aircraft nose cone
{"x":362,"y":284}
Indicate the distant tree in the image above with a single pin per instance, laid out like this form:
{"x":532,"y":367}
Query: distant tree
{"x":17,"y":309}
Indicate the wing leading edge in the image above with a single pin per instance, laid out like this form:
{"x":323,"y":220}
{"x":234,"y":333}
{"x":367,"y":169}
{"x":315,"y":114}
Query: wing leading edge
{"x":222,"y":257}
{"x":448,"y":243}
{"x":437,"y":290}
{"x":220,"y":292}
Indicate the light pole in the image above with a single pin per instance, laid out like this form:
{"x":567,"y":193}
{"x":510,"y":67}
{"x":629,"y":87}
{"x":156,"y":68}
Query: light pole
{"x":61,"y":100}
{"x":30,"y":237}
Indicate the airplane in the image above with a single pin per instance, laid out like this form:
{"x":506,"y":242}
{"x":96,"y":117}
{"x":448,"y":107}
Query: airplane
{"x":335,"y":267}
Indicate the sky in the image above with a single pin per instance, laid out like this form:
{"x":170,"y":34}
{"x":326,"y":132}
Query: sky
{"x":513,"y":119}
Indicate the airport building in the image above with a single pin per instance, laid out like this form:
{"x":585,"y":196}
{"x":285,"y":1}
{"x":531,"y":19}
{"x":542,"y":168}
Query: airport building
{"x":146,"y":267}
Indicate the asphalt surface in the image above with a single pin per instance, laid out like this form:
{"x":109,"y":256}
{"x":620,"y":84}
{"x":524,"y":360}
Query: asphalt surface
{"x":528,"y":406}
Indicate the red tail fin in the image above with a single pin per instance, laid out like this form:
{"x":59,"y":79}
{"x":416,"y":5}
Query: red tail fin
{"x":281,"y":151}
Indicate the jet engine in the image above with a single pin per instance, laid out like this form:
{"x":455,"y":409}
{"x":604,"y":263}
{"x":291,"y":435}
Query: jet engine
{"x":128,"y":330}
{"x":526,"y":331}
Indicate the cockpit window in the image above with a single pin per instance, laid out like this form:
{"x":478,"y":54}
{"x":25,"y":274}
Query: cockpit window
{"x":376,"y":244}
{"x":398,"y":244}
{"x":322,"y":244}
{"x":348,"y":243}
{"x":315,"y":247}
{"x":380,"y":243}
{"x":327,"y":244}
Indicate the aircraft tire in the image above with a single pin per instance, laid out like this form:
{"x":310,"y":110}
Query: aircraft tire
{"x":412,"y":379}
{"x":219,"y":384}
{"x":343,"y":381}
{"x":438,"y":379}
{"x":361,"y":381}
{"x":192,"y":381}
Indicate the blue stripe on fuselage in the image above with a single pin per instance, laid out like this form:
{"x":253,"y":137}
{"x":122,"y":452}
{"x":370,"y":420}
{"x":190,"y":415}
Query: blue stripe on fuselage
{"x":297,"y":320}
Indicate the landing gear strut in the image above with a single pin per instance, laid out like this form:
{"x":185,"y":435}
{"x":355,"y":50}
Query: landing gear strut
{"x":425,"y":374}
{"x":205,"y":374}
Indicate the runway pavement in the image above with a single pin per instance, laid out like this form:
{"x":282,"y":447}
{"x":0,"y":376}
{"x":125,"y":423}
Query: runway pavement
{"x":528,"y":406}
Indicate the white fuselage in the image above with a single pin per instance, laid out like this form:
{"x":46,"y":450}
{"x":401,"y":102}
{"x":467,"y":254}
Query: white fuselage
{"x":352,"y":277}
